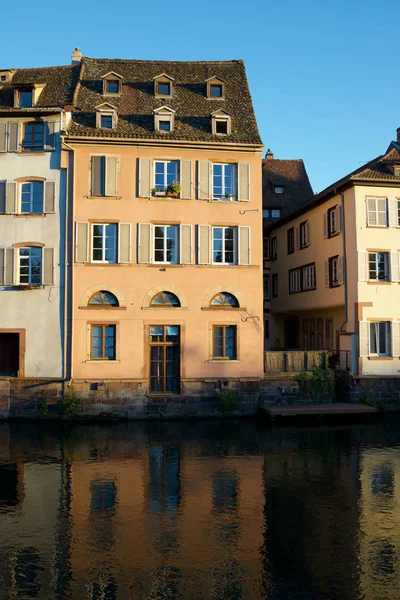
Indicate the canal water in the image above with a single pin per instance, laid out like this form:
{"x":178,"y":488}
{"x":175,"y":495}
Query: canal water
{"x":206,"y":510}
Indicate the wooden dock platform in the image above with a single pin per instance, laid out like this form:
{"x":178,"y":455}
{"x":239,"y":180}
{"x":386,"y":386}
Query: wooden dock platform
{"x":334,"y":409}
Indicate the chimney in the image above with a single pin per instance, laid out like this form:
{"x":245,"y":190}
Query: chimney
{"x":398,"y":135}
{"x":270,"y":155}
{"x":76,"y":57}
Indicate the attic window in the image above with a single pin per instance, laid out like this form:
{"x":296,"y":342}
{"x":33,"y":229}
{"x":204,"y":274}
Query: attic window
{"x":215,"y":88}
{"x":164,"y":118}
{"x":3,"y":77}
{"x":220,"y":123}
{"x":397,"y":171}
{"x":106,"y":121}
{"x":112,"y":86}
{"x":23,"y":98}
{"x":278,"y":189}
{"x":163,"y":86}
{"x":106,"y":116}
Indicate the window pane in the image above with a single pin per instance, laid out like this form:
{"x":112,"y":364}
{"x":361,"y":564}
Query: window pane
{"x":106,"y":122}
{"x":25,"y":99}
{"x":164,"y":125}
{"x":216,"y":90}
{"x":164,"y":88}
{"x":229,"y":175}
{"x":218,"y":342}
{"x":156,"y":333}
{"x":172,"y":333}
{"x":382,"y":335}
{"x":172,"y":245}
{"x":112,"y":87}
{"x":373,"y":340}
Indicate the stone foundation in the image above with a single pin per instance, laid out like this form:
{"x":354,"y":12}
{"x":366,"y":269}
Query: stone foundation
{"x":382,"y":392}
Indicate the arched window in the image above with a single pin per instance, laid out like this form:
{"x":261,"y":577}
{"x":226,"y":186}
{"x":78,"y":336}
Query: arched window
{"x":225,"y":299}
{"x":103,"y":298}
{"x":165,"y":299}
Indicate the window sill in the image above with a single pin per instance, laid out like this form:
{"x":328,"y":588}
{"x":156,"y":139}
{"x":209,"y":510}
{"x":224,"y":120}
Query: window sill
{"x":373,"y":282}
{"x":31,"y":153}
{"x":101,"y":360}
{"x":228,"y":308}
{"x":332,"y":235}
{"x":104,"y":197}
{"x":27,"y":287}
{"x":30,"y":215}
{"x":101,"y":264}
{"x":169,"y":198}
{"x":381,"y":357}
{"x":166,"y":307}
{"x":378,"y":226}
{"x":102,"y":307}
{"x":223,"y":360}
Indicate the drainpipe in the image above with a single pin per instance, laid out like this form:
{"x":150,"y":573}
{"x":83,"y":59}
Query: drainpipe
{"x":69,"y":257}
{"x":346,"y":302}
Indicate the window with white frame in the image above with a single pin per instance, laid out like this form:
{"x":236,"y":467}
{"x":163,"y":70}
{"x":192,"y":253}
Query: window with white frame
{"x":224,"y":245}
{"x":32,"y":197}
{"x":274,"y":248}
{"x":278,"y":189}
{"x":308,"y":275}
{"x":224,"y":181}
{"x":267,"y":287}
{"x":303,"y":233}
{"x":333,"y":265}
{"x":30,"y":266}
{"x":275,"y":213}
{"x":166,"y":173}
{"x":104,"y":242}
{"x":333,"y":221}
{"x":377,"y":213}
{"x":266,"y":248}
{"x":295,"y":281}
{"x":397,"y":171}
{"x":379,"y":338}
{"x":33,"y":137}
{"x":165,"y":244}
{"x":164,"y":119}
{"x":379,"y":269}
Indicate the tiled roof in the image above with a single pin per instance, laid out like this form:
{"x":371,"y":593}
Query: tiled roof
{"x":58,"y":92}
{"x":292,"y":176}
{"x":136,"y":104}
{"x":380,"y":168}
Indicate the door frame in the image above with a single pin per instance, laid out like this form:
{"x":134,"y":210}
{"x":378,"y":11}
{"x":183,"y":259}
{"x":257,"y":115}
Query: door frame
{"x":148,"y":354}
{"x":21,"y":353}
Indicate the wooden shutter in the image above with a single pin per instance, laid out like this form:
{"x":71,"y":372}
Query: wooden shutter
{"x":49,"y":196}
{"x":9,"y":266}
{"x":50,"y":135}
{"x":48,"y":266}
{"x":203,"y":179}
{"x":144,"y":177}
{"x":393,"y":219}
{"x":3,"y":191}
{"x":186,"y":178}
{"x":297,"y":232}
{"x":382,"y":211}
{"x":339,"y":218}
{"x":2,"y":265}
{"x":3,"y":137}
{"x":186,"y":244}
{"x":394,"y":266}
{"x":203,"y":245}
{"x":244,"y":182}
{"x":124,"y":243}
{"x":12,"y":136}
{"x":340,"y":270}
{"x":97,"y":176}
{"x":326,"y":229}
{"x":144,"y":243}
{"x":364,"y":338}
{"x":244,"y":245}
{"x":362,"y":266}
{"x":396,"y":338}
{"x":327,"y":273}
{"x":308,"y":233}
{"x":111,"y":183}
{"x":81,"y":242}
{"x":11,"y":197}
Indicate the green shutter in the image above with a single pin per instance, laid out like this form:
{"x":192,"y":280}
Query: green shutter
{"x":9,"y":267}
{"x":48,"y":266}
{"x":203,"y":244}
{"x":244,"y":246}
{"x":186,"y":244}
{"x":97,"y":176}
{"x":12,"y":137}
{"x":124,"y":243}
{"x":3,"y":137}
{"x":203,"y":179}
{"x":144,"y":177}
{"x":186,"y":178}
{"x":111,"y":175}
{"x":3,"y":188}
{"x":144,"y":243}
{"x":81,"y":242}
{"x":11,"y":197}
{"x":243,"y":182}
{"x":49,"y":197}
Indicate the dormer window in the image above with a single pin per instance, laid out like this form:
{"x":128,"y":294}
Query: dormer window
{"x":164,"y":119}
{"x":396,"y":171}
{"x":278,"y":189}
{"x":6,"y":75}
{"x":220,"y":123}
{"x":215,"y":88}
{"x":106,"y":116}
{"x":163,"y":86}
{"x":23,"y":98}
{"x":112,"y":84}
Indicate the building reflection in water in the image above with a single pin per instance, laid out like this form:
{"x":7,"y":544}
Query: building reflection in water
{"x":235,"y":512}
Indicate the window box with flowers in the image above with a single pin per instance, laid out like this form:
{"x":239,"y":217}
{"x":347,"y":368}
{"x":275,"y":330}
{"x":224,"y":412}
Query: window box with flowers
{"x":173,"y":190}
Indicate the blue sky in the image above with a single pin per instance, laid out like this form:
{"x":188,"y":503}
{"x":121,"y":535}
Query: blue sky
{"x":323,"y":73}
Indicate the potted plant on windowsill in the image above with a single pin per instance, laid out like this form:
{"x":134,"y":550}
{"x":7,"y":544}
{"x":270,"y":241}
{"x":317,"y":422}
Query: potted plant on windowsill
{"x":173,"y":190}
{"x":228,"y":196}
{"x":158,"y":192}
{"x":26,"y":286}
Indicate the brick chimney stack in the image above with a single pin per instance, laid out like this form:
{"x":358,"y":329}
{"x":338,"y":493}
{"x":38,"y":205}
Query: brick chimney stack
{"x":76,"y":57}
{"x":270,"y":155}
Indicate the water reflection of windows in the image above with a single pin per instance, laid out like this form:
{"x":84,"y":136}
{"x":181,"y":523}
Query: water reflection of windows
{"x":103,"y":495}
{"x":26,"y":566}
{"x":386,"y":558}
{"x":8,"y":486}
{"x":382,"y":480}
{"x":103,"y":498}
{"x":225,"y":490}
{"x":164,"y":478}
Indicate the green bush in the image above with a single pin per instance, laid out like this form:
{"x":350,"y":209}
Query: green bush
{"x":320,"y":383}
{"x":44,"y":403}
{"x":369,"y":398}
{"x":227,"y":400}
{"x":72,"y":405}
